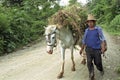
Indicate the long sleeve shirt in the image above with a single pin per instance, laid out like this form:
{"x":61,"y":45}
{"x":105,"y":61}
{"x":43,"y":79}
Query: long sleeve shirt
{"x":93,"y":38}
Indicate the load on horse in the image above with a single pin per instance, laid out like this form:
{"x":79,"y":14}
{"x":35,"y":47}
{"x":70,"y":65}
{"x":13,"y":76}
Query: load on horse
{"x":68,"y":27}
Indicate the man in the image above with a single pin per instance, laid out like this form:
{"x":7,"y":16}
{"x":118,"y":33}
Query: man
{"x":95,"y":45}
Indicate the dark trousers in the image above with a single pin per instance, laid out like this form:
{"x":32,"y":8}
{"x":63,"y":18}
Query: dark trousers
{"x":93,"y":55}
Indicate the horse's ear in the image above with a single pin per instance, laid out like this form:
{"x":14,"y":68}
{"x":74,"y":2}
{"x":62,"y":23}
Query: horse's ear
{"x":58,"y":27}
{"x":55,"y":28}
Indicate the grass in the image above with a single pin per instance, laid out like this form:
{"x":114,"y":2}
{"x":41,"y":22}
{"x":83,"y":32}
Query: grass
{"x":110,"y":31}
{"x":116,"y":33}
{"x":118,"y":69}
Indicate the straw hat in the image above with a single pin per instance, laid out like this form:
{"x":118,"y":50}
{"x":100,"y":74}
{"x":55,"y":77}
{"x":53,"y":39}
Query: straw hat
{"x":91,"y":17}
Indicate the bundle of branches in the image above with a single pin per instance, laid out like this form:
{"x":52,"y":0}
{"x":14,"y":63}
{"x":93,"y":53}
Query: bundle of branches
{"x":73,"y":17}
{"x":64,"y":19}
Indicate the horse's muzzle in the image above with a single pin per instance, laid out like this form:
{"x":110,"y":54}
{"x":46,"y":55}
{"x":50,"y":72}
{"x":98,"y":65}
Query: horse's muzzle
{"x":50,"y":52}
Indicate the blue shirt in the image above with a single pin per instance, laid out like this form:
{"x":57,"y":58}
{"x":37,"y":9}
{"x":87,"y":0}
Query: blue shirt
{"x":93,"y":38}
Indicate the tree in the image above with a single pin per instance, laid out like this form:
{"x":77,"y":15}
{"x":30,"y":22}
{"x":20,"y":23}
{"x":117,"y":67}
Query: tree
{"x":71,"y":2}
{"x":104,"y":10}
{"x":12,"y":2}
{"x":20,"y":25}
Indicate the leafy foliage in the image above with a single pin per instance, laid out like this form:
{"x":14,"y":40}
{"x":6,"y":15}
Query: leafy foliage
{"x":118,"y":70}
{"x":72,"y":2}
{"x":20,"y":25}
{"x":115,"y":23}
{"x":104,"y":9}
{"x":107,"y":12}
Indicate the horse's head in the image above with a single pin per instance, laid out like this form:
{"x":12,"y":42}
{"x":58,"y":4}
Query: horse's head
{"x":50,"y":35}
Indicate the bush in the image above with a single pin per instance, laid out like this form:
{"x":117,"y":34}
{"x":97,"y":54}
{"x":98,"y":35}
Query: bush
{"x":115,"y":23}
{"x":117,"y":69}
{"x":114,"y":26}
{"x":20,"y":25}
{"x":1,"y":46}
{"x":4,"y":30}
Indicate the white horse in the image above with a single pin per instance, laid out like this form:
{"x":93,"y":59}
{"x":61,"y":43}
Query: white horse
{"x":66,"y":40}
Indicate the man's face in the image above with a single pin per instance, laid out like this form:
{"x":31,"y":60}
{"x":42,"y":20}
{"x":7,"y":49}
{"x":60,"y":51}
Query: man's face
{"x":91,"y":23}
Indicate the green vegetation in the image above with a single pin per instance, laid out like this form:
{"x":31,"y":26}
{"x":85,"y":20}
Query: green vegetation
{"x":22,"y":22}
{"x":115,"y":25}
{"x":118,"y":71}
{"x":107,"y":13}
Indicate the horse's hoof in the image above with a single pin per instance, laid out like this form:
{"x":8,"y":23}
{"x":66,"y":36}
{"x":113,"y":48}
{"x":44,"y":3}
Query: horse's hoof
{"x":73,"y":69}
{"x":60,"y":76}
{"x":83,"y":61}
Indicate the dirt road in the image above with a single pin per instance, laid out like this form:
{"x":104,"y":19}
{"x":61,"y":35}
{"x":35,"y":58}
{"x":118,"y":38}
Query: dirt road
{"x":34,"y":63}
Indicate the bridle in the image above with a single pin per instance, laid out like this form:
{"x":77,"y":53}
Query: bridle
{"x":49,"y":35}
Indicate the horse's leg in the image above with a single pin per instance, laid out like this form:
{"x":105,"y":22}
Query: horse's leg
{"x":72,"y":58}
{"x":63,"y":62}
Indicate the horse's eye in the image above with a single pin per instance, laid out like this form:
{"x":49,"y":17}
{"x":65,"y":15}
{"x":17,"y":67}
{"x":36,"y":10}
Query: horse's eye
{"x":53,"y":37}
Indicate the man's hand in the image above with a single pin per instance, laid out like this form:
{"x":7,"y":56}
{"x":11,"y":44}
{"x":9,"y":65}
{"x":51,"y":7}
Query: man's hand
{"x":103,"y":46}
{"x":103,"y":50}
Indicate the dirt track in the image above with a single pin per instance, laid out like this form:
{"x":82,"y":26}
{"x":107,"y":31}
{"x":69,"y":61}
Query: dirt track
{"x":34,"y":63}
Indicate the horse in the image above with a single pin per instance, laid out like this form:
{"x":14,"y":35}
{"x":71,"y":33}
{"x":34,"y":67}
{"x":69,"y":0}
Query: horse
{"x":66,"y":41}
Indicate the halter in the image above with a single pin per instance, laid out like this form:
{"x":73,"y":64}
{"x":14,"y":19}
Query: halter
{"x":53,"y":45}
